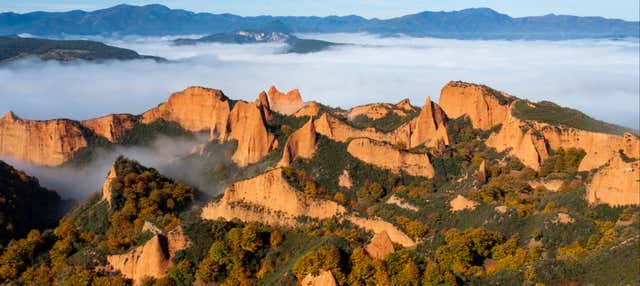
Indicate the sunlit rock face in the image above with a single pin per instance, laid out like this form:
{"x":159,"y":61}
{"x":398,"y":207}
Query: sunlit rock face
{"x":48,"y":143}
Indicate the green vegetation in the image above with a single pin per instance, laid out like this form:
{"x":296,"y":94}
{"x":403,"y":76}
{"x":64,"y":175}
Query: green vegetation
{"x":24,"y":205}
{"x":62,"y":50}
{"x":388,"y":123}
{"x":563,"y":162}
{"x":551,"y":113}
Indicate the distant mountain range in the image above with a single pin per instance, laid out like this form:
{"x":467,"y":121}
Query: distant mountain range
{"x":294,"y":44}
{"x":476,"y":23}
{"x":15,"y":48}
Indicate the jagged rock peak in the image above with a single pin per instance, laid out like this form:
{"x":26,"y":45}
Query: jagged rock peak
{"x":285,"y":103}
{"x":9,"y":116}
{"x":405,"y":104}
{"x":301,"y":144}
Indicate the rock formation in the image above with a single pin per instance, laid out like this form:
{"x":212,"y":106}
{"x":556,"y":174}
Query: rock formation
{"x":379,"y":246}
{"x":616,"y":184}
{"x":301,"y":144}
{"x":310,"y":109}
{"x":49,"y":143}
{"x":428,"y":128}
{"x":194,"y":109}
{"x":247,"y":126}
{"x":481,"y":175}
{"x":395,"y":200}
{"x":285,"y":103}
{"x":380,"y":110}
{"x":461,"y":203}
{"x":484,"y":106}
{"x":378,"y":226}
{"x":106,"y":186}
{"x":345,"y":180}
{"x":388,"y":157}
{"x":151,"y":259}
{"x":324,"y":278}
{"x":259,"y":193}
{"x":112,"y":126}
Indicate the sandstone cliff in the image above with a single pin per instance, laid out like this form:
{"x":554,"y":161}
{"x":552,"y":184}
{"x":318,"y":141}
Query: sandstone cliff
{"x":50,"y":142}
{"x":324,"y":278}
{"x":113,"y":126}
{"x":301,"y":144}
{"x":616,"y":184}
{"x":388,"y":157}
{"x":379,"y":246}
{"x":380,"y":110}
{"x":311,"y":109}
{"x":247,"y":126}
{"x":484,"y":106}
{"x":285,"y":103}
{"x":152,"y":259}
{"x":194,"y":109}
{"x":271,"y":194}
{"x":106,"y":187}
{"x":378,"y":226}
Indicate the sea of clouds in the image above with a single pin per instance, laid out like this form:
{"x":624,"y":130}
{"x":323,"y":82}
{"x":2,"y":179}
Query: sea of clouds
{"x":599,"y":77}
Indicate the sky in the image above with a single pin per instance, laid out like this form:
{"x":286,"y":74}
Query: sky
{"x":622,"y":9}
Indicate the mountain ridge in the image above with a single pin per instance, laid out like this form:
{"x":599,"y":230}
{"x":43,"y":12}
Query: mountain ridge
{"x":476,"y":23}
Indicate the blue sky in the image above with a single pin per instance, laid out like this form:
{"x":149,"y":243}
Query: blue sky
{"x":623,"y":9}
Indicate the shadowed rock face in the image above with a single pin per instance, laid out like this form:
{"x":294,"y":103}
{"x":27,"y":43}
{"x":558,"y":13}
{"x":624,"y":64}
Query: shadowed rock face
{"x":388,"y":157}
{"x":301,"y":144}
{"x":285,"y":103}
{"x":247,"y":126}
{"x":616,"y":184}
{"x":49,"y":143}
{"x":113,"y":126}
{"x":194,"y":109}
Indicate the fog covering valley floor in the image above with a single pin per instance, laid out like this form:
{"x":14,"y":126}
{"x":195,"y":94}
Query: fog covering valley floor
{"x":480,"y":187}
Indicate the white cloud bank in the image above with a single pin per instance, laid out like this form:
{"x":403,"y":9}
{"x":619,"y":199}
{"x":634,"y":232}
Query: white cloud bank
{"x":599,"y":77}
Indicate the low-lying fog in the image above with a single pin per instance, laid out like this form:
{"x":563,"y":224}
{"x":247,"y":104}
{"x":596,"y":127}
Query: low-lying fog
{"x":599,"y":77}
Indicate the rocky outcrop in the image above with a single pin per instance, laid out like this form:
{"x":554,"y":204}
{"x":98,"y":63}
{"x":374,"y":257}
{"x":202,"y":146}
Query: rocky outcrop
{"x":257,"y":195}
{"x":49,"y":143}
{"x":484,"y":106}
{"x":379,"y":246}
{"x":616,"y":184}
{"x":247,"y":126}
{"x":194,"y":109}
{"x":345,"y":180}
{"x":551,"y":185}
{"x":428,"y":128}
{"x":461,"y":203}
{"x":151,"y":259}
{"x":385,"y":156}
{"x":301,"y":144}
{"x":106,"y":186}
{"x":481,"y":174}
{"x":521,"y":140}
{"x":311,"y":109}
{"x":380,"y":110}
{"x":324,"y":278}
{"x":399,"y":202}
{"x":113,"y":126}
{"x":378,"y":226}
{"x":285,"y":103}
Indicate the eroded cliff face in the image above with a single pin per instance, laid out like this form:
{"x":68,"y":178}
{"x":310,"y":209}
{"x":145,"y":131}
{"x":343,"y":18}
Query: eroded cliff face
{"x":388,"y":157}
{"x":310,"y":109}
{"x":246,"y":125}
{"x":151,"y":259}
{"x":194,"y":109}
{"x":379,"y":226}
{"x":285,"y":103}
{"x":49,"y":143}
{"x":616,"y":184}
{"x":113,"y":126}
{"x":324,"y":278}
{"x":380,"y":110}
{"x":523,"y":141}
{"x":301,"y":144}
{"x":269,"y":197}
{"x":484,"y":106}
{"x":379,"y":246}
{"x":428,"y":128}
{"x":106,"y":186}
